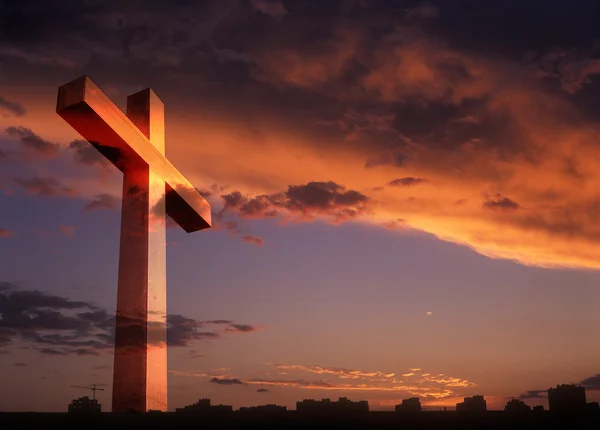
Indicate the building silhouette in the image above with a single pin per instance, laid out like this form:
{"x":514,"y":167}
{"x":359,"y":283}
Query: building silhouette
{"x":270,"y":409}
{"x":84,"y":405}
{"x":412,"y":405}
{"x":517,"y":407}
{"x":475,"y":404}
{"x":203,"y":406}
{"x":343,"y":405}
{"x":567,"y":399}
{"x":593,"y":406}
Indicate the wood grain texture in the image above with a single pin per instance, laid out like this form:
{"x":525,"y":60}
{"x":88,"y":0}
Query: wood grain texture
{"x":89,"y":111}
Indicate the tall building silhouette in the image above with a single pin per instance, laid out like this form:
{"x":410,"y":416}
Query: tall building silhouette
{"x":412,"y":405}
{"x":567,"y":399}
{"x":310,"y":406}
{"x":517,"y":407}
{"x":475,"y":404}
{"x":204,"y":406}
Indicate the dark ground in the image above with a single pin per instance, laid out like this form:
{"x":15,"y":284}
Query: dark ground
{"x":290,"y":420}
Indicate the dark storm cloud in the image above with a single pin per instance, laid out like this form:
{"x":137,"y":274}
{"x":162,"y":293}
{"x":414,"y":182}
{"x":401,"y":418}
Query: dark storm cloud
{"x":501,"y":203}
{"x":300,"y":201}
{"x":317,"y":47}
{"x":441,"y":88}
{"x":303,"y":201}
{"x":9,"y":108}
{"x":592,"y":383}
{"x":406,"y":182}
{"x":31,"y":141}
{"x":55,"y":325}
{"x":116,"y":30}
{"x":181,"y":331}
{"x":42,"y":186}
{"x":52,"y":323}
{"x":534,"y":394}
{"x":22,"y":300}
{"x":226,"y":381}
{"x":86,"y":154}
{"x":218,"y":322}
{"x":245,"y":328}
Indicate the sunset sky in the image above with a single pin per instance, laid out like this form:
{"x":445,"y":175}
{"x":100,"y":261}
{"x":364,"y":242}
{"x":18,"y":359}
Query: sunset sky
{"x":405,"y":196}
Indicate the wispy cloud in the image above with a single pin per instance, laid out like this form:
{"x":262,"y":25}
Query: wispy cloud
{"x":45,"y":186}
{"x":32,"y":142}
{"x":10,"y":108}
{"x":351,"y":380}
{"x":226,"y":381}
{"x":337,"y":371}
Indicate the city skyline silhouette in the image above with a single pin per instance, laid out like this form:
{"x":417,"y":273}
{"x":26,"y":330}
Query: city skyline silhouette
{"x":404,"y":200}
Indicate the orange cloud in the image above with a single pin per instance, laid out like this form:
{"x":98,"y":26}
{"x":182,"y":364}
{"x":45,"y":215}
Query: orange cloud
{"x":424,"y":385}
{"x":345,"y":380}
{"x":524,"y":190}
{"x":413,"y":390}
{"x":339,"y":372}
{"x":500,"y":161}
{"x":253,"y":240}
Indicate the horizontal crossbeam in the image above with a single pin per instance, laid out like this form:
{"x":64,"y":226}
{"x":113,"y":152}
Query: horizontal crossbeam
{"x":89,"y":111}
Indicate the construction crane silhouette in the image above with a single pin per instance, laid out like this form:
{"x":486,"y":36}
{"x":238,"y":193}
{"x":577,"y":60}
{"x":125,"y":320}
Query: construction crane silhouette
{"x":94,"y":388}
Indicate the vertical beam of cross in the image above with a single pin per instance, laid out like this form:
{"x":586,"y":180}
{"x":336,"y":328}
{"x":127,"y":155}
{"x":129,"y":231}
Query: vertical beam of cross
{"x":140,"y":362}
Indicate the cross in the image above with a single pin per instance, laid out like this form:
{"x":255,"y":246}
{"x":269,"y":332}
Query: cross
{"x":152,"y":189}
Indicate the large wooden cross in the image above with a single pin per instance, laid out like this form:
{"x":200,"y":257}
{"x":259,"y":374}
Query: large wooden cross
{"x":152,"y":189}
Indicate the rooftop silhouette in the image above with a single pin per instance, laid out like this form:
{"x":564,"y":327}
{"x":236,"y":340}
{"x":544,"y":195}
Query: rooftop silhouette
{"x":472,"y":411}
{"x":84,"y":405}
{"x":412,"y":405}
{"x":326,"y":406}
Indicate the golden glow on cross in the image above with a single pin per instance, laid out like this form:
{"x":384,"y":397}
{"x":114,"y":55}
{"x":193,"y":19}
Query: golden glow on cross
{"x":152,"y":189}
